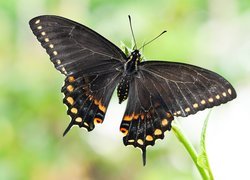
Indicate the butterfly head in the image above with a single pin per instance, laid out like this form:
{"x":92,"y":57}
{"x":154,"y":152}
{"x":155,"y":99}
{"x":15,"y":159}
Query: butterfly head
{"x":136,"y":55}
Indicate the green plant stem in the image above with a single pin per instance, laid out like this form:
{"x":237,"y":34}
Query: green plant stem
{"x":209,"y":171}
{"x":190,"y":149}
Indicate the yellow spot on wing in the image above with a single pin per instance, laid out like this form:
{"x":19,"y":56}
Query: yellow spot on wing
{"x":70,"y":88}
{"x":86,"y":124}
{"x":64,"y":70}
{"x":203,"y":101}
{"x":55,"y":53}
{"x":37,"y":21}
{"x":195,"y":105}
{"x":158,"y":132}
{"x":211,"y":100}
{"x":46,"y":39}
{"x":178,"y":112}
{"x":224,"y":94}
{"x":131,"y":140}
{"x":187,"y":109}
{"x":164,"y":122}
{"x":140,"y":141}
{"x":51,"y":46}
{"x":217,"y":96}
{"x":43,"y":33}
{"x":71,"y":79}
{"x":39,"y":27}
{"x":70,"y":100}
{"x":78,"y":119}
{"x":58,"y":61}
{"x":229,"y":91}
{"x":74,"y":110}
{"x":149,"y":138}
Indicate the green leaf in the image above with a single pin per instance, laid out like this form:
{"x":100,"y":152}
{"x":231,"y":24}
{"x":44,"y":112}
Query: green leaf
{"x":125,"y":49}
{"x":202,"y":159}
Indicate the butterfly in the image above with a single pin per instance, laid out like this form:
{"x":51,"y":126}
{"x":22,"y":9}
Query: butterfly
{"x":157,"y":91}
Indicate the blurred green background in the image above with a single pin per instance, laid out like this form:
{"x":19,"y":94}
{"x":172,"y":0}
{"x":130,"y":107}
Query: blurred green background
{"x":214,"y":34}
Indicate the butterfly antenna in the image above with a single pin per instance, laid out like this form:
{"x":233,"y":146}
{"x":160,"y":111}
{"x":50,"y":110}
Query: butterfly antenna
{"x":144,"y":155}
{"x":130,"y":23}
{"x":152,"y":40}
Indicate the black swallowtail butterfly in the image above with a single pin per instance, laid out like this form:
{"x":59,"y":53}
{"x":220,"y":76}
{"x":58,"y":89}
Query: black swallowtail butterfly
{"x":156,"y":91}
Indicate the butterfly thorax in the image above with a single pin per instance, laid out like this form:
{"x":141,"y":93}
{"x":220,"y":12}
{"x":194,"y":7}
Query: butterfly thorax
{"x":130,"y":68}
{"x":133,"y":61}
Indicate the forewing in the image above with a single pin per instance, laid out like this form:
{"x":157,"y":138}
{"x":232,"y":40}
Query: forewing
{"x":91,"y":63}
{"x":72,"y":47}
{"x":187,"y":89}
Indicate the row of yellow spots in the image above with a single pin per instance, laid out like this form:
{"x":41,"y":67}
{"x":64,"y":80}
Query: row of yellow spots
{"x":96,"y":121}
{"x":51,"y":46}
{"x":203,"y":102}
{"x":79,"y":119}
{"x":148,"y":138}
{"x":157,"y":132}
{"x":70,"y":100}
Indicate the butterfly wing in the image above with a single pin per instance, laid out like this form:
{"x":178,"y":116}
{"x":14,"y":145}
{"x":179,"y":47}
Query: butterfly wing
{"x":72,"y":47}
{"x":187,"y":89}
{"x":87,"y":98}
{"x":91,"y":63}
{"x":162,"y":90}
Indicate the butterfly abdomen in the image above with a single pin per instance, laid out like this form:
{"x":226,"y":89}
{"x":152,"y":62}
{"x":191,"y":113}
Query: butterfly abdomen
{"x":123,"y":88}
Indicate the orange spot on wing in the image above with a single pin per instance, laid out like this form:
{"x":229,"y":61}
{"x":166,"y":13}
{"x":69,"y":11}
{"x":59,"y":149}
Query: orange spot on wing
{"x":124,"y":131}
{"x":98,"y":121}
{"x":102,"y":108}
{"x":136,"y":116}
{"x":142,"y":116}
{"x":96,"y":102}
{"x":128,"y":117}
